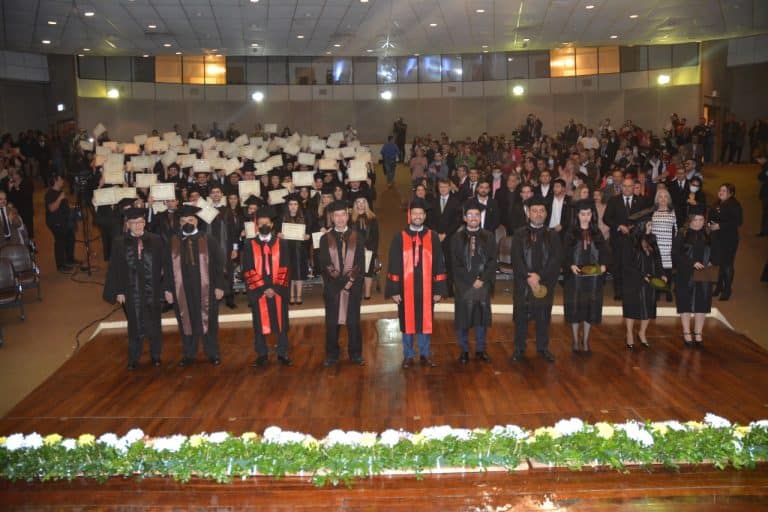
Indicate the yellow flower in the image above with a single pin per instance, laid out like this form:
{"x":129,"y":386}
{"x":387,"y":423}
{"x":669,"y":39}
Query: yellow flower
{"x":417,"y":439}
{"x":249,"y":436}
{"x":549,"y":431}
{"x":195,"y":440}
{"x":740,"y":431}
{"x":695,"y":425}
{"x":2,"y":440}
{"x":659,"y":428}
{"x":86,"y":440}
{"x":368,"y":440}
{"x":604,"y":430}
{"x":51,"y":439}
{"x":310,"y":443}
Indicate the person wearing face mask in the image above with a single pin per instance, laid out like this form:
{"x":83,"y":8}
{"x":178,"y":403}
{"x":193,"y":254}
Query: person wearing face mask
{"x":265,"y":271}
{"x":135,"y":280}
{"x":416,"y":280}
{"x":536,"y":260}
{"x":695,"y":197}
{"x":195,"y":284}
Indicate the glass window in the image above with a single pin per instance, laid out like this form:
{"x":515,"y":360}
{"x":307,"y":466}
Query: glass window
{"x":300,"y":71}
{"x":118,"y":68}
{"x":168,"y":69}
{"x":586,"y":61}
{"x":277,"y":70}
{"x":495,"y":66}
{"x":323,"y":70}
{"x":193,"y":71}
{"x":634,"y":58}
{"x":365,"y":70}
{"x":517,"y":65}
{"x":407,"y":70}
{"x":215,"y":70}
{"x":143,"y":69}
{"x":429,"y":68}
{"x":685,"y":55}
{"x":387,"y":70}
{"x":91,"y":68}
{"x":256,"y":70}
{"x":659,"y":56}
{"x":472,"y":66}
{"x":342,"y":71}
{"x":236,"y":70}
{"x":452,"y":70}
{"x":562,"y":62}
{"x":608,"y":59}
{"x":538,"y":64}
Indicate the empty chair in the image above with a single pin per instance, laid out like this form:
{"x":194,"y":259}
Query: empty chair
{"x":11,"y":293}
{"x":27,"y":271}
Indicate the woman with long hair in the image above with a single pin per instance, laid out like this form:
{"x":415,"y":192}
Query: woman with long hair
{"x":233,"y":217}
{"x":585,"y":260}
{"x":725,"y":218}
{"x":664,"y":228}
{"x":298,"y":250}
{"x":692,"y":252}
{"x":364,"y":220}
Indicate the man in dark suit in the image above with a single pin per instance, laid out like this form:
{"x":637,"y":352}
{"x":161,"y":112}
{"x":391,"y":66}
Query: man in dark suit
{"x":489,"y":217}
{"x":679,"y":188}
{"x":544,"y":188}
{"x":559,"y":214}
{"x":508,"y":197}
{"x":617,"y":217}
{"x":446,"y":208}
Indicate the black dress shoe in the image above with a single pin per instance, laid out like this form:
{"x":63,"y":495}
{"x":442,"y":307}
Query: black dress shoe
{"x":231,"y":304}
{"x":156,"y":362}
{"x":185,"y":362}
{"x":483,"y":356}
{"x":260,"y":361}
{"x":215,"y":361}
{"x":725,"y":296}
{"x":132,"y":365}
{"x":464,"y":358}
{"x":546,"y":354}
{"x":425,"y":361}
{"x":359,"y":361}
{"x":407,"y":363}
{"x":284,"y":360}
{"x":518,"y":355}
{"x":330,"y":362}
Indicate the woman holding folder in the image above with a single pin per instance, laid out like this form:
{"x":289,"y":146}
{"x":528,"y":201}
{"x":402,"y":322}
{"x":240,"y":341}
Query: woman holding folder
{"x":364,"y":220}
{"x":295,"y":228}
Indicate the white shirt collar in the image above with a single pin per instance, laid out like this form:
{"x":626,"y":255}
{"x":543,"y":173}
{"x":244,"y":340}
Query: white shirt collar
{"x":416,"y":229}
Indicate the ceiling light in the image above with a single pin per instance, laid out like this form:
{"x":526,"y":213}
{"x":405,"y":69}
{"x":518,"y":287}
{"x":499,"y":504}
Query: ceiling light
{"x":113,"y":93}
{"x":634,"y":16}
{"x":663,"y":79}
{"x":485,"y":46}
{"x":89,"y":13}
{"x":526,"y":39}
{"x":80,"y":55}
{"x":110,"y":43}
{"x":257,"y":96}
{"x":368,"y":50}
{"x":51,"y":22}
{"x":300,"y":36}
{"x":479,"y":11}
{"x":363,"y":1}
{"x":614,"y":36}
{"x":254,"y":1}
{"x":151,"y":26}
{"x":254,"y":45}
{"x":60,"y":107}
{"x":327,"y":53}
{"x":485,"y":51}
{"x":510,"y":59}
{"x":433,"y":25}
{"x":86,"y":49}
{"x":145,"y":56}
{"x":178,"y":53}
{"x":167,"y":45}
{"x":337,"y":45}
{"x":518,"y":90}
{"x":590,"y":6}
{"x":386,"y":95}
{"x":45,"y":41}
{"x":415,"y":54}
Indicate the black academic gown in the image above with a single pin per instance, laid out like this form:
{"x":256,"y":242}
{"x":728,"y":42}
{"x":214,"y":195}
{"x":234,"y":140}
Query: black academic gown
{"x":195,"y":319}
{"x":165,"y":224}
{"x":369,"y":228}
{"x":639,"y":297}
{"x":688,"y":248}
{"x":583,"y":297}
{"x":140,"y":279}
{"x":220,"y":231}
{"x":416,"y":273}
{"x":298,"y":250}
{"x":473,"y":305}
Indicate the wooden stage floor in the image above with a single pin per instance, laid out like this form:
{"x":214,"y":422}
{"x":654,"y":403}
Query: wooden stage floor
{"x":93,"y":392}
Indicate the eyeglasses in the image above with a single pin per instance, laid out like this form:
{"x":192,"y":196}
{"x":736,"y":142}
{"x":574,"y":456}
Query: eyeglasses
{"x":471,"y":215}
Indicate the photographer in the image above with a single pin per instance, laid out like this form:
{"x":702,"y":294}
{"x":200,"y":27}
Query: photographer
{"x":59,"y":220}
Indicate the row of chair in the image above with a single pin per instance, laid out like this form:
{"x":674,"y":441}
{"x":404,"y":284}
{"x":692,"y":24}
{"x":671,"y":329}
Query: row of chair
{"x":18,"y":272}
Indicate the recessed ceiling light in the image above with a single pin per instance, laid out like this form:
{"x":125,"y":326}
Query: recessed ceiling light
{"x":485,"y":46}
{"x":254,"y":45}
{"x":327,"y":53}
{"x":368,"y":50}
{"x":526,"y":39}
{"x":300,"y":36}
{"x":363,"y":1}
{"x":485,"y":51}
{"x":151,"y":26}
{"x":433,"y":25}
{"x":590,"y":6}
{"x":145,"y":56}
{"x":479,"y":11}
{"x":178,"y":53}
{"x":89,"y":13}
{"x":510,"y":59}
{"x":86,"y":49}
{"x":614,"y":36}
{"x":415,"y":54}
{"x":45,"y":41}
{"x":51,"y":22}
{"x":337,"y":45}
{"x":80,"y":55}
{"x":254,"y":1}
{"x":634,"y":16}
{"x":167,"y":45}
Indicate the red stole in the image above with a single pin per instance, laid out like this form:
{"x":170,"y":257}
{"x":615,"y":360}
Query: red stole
{"x":255,"y":279}
{"x":409,"y":300}
{"x":178,"y":281}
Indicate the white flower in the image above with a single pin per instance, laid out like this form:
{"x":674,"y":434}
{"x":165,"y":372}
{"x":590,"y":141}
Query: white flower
{"x":715,"y":421}
{"x":111,"y":440}
{"x":33,"y":441}
{"x":512,"y":431}
{"x":335,"y":437}
{"x":217,"y":437}
{"x":354,"y":438}
{"x":437,"y":433}
{"x":272,"y":434}
{"x":133,"y":435}
{"x":636,"y":433}
{"x":737,"y":444}
{"x":462,"y":434}
{"x":759,"y":424}
{"x":286,"y":437}
{"x":69,"y":444}
{"x":171,"y":443}
{"x":390,"y":438}
{"x":569,"y":427}
{"x":673,"y":425}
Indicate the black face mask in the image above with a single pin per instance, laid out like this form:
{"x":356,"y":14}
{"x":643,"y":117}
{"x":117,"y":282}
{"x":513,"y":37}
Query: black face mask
{"x":188,"y":228}
{"x":264,"y":229}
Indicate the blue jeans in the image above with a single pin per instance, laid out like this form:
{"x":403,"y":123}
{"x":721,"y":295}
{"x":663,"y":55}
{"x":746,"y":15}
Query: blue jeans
{"x":389,"y":170}
{"x":463,"y":335}
{"x":423,"y":341}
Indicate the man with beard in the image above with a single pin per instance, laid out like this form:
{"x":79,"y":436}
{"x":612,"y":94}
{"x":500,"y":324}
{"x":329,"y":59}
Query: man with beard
{"x":489,"y":217}
{"x":416,"y":280}
{"x":134,"y":280}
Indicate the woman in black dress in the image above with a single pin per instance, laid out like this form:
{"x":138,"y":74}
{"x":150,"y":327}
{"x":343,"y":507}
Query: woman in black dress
{"x":232,"y":215}
{"x":724,"y":222}
{"x":691,"y":252}
{"x":298,"y":250}
{"x":641,"y":264}
{"x":364,"y":220}
{"x":584,"y":246}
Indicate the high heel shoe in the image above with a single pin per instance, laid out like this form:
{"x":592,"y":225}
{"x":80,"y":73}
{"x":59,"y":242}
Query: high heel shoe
{"x":686,"y":339}
{"x":291,"y":302}
{"x":644,"y":341}
{"x":698,"y":340}
{"x":630,"y":346}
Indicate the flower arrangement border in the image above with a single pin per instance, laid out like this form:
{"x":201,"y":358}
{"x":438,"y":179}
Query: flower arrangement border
{"x":342,"y":457}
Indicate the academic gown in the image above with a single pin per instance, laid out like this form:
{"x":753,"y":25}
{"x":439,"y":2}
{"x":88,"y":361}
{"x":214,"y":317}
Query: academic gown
{"x":165,"y":224}
{"x":639,"y":297}
{"x":298,"y":250}
{"x":689,"y":247}
{"x":370,"y":230}
{"x":583,"y":297}
{"x":473,"y":305}
{"x":140,"y":279}
{"x":222,"y":234}
{"x":416,"y":271}
{"x":534,"y":251}
{"x":197,"y":312}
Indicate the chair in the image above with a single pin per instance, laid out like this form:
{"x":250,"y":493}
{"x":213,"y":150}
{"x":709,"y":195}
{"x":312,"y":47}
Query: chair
{"x":11,"y":292}
{"x":27,"y":271}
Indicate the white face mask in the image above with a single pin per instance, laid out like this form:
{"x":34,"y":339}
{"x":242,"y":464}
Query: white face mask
{"x":694,"y":189}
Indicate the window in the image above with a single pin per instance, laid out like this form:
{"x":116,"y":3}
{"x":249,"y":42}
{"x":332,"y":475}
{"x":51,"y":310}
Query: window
{"x":472,"y":66}
{"x":387,"y":70}
{"x":562,"y":62}
{"x":300,"y":71}
{"x":608,"y":59}
{"x":168,"y":69}
{"x":91,"y":68}
{"x":407,"y":70}
{"x":685,"y":55}
{"x":322,"y":70}
{"x":236,"y":67}
{"x":143,"y":69}
{"x":256,"y":70}
{"x":342,"y":71}
{"x":586,"y":61}
{"x":365,"y":70}
{"x":429,"y":68}
{"x":538,"y":65}
{"x":659,"y":57}
{"x":215,"y":70}
{"x":634,"y":58}
{"x":517,"y":65}
{"x":452,"y":70}
{"x":118,"y":68}
{"x":495,"y":66}
{"x":277,"y":70}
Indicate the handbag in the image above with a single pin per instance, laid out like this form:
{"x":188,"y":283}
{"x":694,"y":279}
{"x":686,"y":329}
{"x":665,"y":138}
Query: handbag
{"x":707,"y":274}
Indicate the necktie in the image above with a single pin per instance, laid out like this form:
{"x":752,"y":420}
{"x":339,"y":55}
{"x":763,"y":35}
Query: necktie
{"x":442,"y":204}
{"x":416,"y":244}
{"x":6,"y":226}
{"x":265,"y":259}
{"x":140,"y":247}
{"x":627,"y":204}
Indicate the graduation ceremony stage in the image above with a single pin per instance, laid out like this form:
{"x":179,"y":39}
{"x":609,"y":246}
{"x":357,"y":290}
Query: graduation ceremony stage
{"x":93,"y":392}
